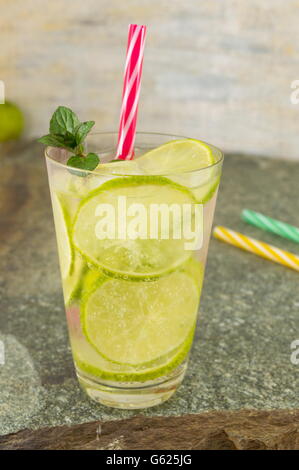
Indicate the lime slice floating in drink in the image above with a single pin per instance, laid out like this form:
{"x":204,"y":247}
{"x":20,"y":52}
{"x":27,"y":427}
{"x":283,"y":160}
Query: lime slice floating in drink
{"x":177,"y":156}
{"x":195,"y":269}
{"x":91,"y":362}
{"x":62,"y":225}
{"x":122,"y":255}
{"x":137,"y":323}
{"x":80,"y":281}
{"x":72,"y":284}
{"x":205,"y":191}
{"x":182,"y":160}
{"x":90,"y":277}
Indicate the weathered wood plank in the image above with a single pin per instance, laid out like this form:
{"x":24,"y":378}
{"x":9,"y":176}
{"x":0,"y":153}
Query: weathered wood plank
{"x":222,"y":430}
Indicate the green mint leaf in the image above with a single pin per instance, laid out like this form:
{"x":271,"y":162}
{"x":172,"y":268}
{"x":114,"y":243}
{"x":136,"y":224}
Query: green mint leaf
{"x":63,"y":120}
{"x":82,"y":130}
{"x":90,"y":162}
{"x":68,"y":132}
{"x":70,"y":141}
{"x":52,"y":140}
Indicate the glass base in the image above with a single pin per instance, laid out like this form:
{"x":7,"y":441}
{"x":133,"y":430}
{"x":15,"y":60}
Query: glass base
{"x":131,"y":396}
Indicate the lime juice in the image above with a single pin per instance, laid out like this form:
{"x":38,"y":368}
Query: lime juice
{"x":132,"y":240}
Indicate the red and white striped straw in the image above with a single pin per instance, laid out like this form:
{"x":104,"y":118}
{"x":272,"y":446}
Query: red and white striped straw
{"x":131,"y":92}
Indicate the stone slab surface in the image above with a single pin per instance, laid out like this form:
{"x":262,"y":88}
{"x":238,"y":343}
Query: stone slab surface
{"x":249,"y":308}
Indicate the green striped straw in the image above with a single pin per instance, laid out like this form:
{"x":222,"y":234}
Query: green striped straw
{"x":271,"y":225}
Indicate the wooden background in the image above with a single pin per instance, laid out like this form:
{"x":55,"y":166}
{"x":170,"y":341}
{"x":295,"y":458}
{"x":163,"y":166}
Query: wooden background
{"x":216,"y":70}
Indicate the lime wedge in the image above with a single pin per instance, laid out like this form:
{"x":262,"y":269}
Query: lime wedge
{"x":62,"y":225}
{"x":136,"y":323}
{"x":125,"y":256}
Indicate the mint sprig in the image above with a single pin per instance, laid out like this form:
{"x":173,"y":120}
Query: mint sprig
{"x":66,"y":131}
{"x":63,"y":120}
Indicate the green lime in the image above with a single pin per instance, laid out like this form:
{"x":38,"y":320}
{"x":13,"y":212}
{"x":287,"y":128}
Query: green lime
{"x":121,"y":255}
{"x":91,"y":362}
{"x":70,"y":202}
{"x":188,"y":162}
{"x":77,"y":276}
{"x":79,"y":187}
{"x":72,"y":284}
{"x":177,"y":156}
{"x":80,"y":281}
{"x":138,"y":323}
{"x":195,"y":269}
{"x":62,"y":225}
{"x":11,"y":121}
{"x":90,"y":277}
{"x":205,"y":191}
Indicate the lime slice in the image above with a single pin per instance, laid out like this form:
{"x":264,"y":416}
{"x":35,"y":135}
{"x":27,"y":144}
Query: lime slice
{"x":177,"y":156}
{"x":81,"y":186}
{"x":80,"y":281}
{"x":66,"y":206}
{"x":90,"y":362}
{"x":70,"y":202}
{"x":123,"y":256}
{"x":205,"y":191}
{"x":195,"y":269}
{"x":90,"y":277}
{"x":182,"y":160}
{"x":73,"y":283}
{"x":72,"y":188}
{"x":137,"y":323}
{"x":80,"y":277}
{"x":62,"y":225}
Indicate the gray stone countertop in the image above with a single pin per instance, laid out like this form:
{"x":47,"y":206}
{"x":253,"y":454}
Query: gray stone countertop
{"x":249,"y":308}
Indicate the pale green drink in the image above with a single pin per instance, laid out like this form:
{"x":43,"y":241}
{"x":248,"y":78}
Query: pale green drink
{"x":132,"y":264}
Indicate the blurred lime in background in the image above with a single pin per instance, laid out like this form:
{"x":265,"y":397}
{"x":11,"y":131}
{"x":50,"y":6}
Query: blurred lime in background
{"x":11,"y":121}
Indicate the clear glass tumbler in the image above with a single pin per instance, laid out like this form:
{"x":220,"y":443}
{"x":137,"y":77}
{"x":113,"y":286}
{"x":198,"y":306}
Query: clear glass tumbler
{"x":132,"y":242}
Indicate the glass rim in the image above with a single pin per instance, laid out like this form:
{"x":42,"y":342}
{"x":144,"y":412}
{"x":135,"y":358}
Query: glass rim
{"x":140,"y":133}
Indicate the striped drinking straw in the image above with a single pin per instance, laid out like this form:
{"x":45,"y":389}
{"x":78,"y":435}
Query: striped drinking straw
{"x":131,"y":92}
{"x":270,"y":252}
{"x":271,"y":225}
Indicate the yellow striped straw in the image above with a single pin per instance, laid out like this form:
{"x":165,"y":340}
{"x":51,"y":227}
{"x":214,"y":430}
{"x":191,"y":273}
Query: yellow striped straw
{"x":257,"y":247}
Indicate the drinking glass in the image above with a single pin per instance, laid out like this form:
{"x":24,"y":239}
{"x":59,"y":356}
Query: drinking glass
{"x":132,"y":241}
